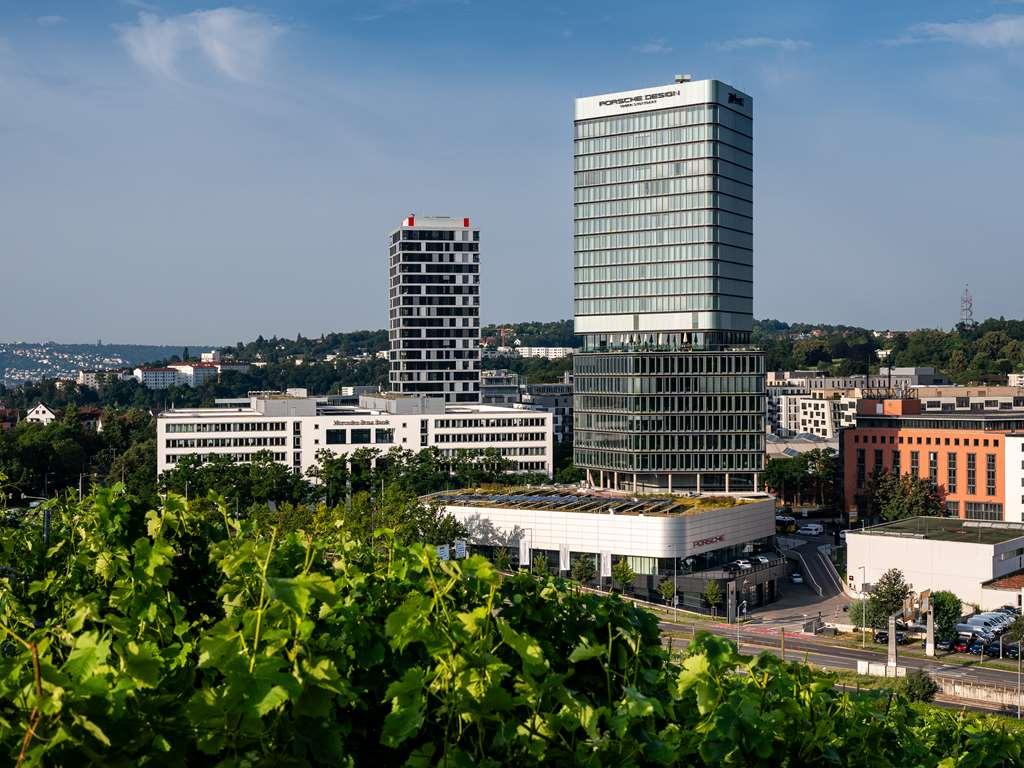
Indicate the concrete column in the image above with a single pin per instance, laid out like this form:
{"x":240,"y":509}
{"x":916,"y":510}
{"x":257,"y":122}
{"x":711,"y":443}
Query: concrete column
{"x":726,"y":482}
{"x":755,"y":482}
{"x":698,"y":482}
{"x":634,"y":482}
{"x":615,"y":480}
{"x":590,"y":479}
{"x":670,"y":482}
{"x":602,"y":478}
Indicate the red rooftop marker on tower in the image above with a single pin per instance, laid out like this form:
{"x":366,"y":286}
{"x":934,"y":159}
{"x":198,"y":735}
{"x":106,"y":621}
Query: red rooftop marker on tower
{"x":465,"y":222}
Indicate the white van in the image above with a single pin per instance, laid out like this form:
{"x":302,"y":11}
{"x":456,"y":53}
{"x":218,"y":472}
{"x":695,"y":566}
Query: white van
{"x":811,"y":529}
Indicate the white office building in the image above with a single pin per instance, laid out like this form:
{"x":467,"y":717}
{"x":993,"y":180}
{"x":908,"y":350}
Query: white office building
{"x":294,"y":428}
{"x":434,"y":308}
{"x":159,"y":378}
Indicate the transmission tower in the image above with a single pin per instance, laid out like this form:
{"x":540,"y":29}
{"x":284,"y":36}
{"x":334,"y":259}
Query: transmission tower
{"x":967,"y":307}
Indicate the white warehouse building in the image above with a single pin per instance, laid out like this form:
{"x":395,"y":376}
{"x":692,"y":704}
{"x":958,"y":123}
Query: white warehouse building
{"x":965,"y":557}
{"x":294,"y":428}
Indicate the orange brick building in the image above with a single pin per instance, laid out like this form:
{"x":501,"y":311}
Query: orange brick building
{"x":962,"y":453}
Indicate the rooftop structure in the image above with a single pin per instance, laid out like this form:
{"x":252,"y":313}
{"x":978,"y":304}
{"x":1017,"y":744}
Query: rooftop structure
{"x":948,"y":529}
{"x":597,"y":503}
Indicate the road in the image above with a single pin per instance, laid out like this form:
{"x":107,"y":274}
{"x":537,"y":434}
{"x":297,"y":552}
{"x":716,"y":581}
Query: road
{"x":819,"y":652}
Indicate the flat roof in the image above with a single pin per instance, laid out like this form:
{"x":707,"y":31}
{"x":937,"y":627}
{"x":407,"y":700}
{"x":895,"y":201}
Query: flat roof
{"x":554,"y":499}
{"x":947,"y":529}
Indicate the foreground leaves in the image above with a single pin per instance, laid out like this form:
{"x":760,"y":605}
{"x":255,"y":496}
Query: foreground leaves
{"x":190,"y":638}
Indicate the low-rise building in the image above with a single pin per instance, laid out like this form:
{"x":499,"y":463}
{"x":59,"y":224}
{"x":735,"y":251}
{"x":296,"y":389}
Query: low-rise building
{"x":557,"y":399}
{"x":294,"y":428}
{"x":159,"y":378}
{"x":41,"y":414}
{"x":500,"y":386}
{"x":550,"y":353}
{"x":937,"y":553}
{"x":687,"y":540}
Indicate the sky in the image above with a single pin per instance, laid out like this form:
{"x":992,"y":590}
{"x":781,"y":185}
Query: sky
{"x":184,"y":171}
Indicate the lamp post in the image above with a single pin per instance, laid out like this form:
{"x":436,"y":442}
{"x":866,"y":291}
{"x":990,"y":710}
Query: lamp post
{"x":863,"y":613}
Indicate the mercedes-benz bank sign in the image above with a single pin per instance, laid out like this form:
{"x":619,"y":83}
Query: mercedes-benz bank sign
{"x":626,"y":102}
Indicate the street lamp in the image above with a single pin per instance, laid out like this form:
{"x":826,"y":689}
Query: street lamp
{"x":863,"y":612}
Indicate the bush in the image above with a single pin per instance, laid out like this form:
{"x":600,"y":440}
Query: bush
{"x":918,"y":685}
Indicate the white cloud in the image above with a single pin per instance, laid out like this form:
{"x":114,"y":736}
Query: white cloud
{"x":993,"y":32}
{"x":234,"y":42}
{"x":654,"y":47}
{"x":781,"y":43}
{"x":50,"y":21}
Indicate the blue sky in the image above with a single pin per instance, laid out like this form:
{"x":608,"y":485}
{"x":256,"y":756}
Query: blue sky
{"x":175,"y":170}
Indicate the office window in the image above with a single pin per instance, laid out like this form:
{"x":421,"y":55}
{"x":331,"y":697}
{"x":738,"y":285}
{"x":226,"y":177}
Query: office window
{"x":951,"y":473}
{"x":953,"y":508}
{"x":385,"y":435}
{"x":878,"y":460}
{"x":983,"y":511}
{"x":360,"y":436}
{"x":861,"y":469}
{"x":990,"y":474}
{"x":335,"y":436}
{"x":972,"y":486}
{"x":933,"y":467}
{"x":915,"y":463}
{"x":895,"y":462}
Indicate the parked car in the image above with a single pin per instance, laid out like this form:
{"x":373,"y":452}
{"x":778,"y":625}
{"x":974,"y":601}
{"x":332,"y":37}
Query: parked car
{"x":796,"y":578}
{"x":881,"y":637}
{"x":945,"y":644}
{"x":993,"y":650}
{"x":976,"y":648}
{"x":811,"y":529}
{"x":960,"y":644}
{"x":762,"y":559}
{"x":1011,"y":651}
{"x":743,"y":565}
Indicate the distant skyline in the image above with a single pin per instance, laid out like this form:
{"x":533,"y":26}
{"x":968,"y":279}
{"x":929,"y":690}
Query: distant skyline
{"x":179,"y":171}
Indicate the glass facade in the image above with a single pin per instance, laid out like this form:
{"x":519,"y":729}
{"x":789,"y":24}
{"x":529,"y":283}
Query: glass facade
{"x":667,"y":391}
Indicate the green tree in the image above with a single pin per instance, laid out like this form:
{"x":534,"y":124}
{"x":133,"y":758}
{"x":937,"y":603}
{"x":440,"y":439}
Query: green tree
{"x":712,"y":595}
{"x":947,"y":611}
{"x":330,"y":474}
{"x":624,"y":575}
{"x":890,"y":592}
{"x":667,"y":590}
{"x":584,"y":570}
{"x":539,"y":566}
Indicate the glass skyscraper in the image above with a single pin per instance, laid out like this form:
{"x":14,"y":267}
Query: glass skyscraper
{"x":668,"y":392}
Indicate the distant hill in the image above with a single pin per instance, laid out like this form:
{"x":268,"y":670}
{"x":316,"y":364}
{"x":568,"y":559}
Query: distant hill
{"x":27,"y":361}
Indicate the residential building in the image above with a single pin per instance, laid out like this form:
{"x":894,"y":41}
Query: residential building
{"x":964,"y":454}
{"x":668,"y":393}
{"x":196,"y":374}
{"x":213,"y":356}
{"x":954,"y":399}
{"x":686,"y":540}
{"x":500,"y":387}
{"x":434,"y":299}
{"x":1015,"y":379}
{"x":825,"y":413}
{"x":159,"y":378}
{"x":295,"y":427}
{"x":970,"y":558}
{"x":41,"y":414}
{"x":550,"y":353}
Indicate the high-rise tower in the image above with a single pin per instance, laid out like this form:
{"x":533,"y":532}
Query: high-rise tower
{"x":434,"y":301}
{"x":668,"y":393}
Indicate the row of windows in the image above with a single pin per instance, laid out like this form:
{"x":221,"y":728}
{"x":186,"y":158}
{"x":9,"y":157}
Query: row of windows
{"x":633,"y":461}
{"x":669,"y":422}
{"x":658,"y":385}
{"x":635,"y":343}
{"x":727,"y":362}
{"x":518,"y":421}
{"x":663,"y":118}
{"x":672,"y":170}
{"x":686,"y":202}
{"x":663,"y":287}
{"x":229,"y":426}
{"x":663,"y":137}
{"x":654,"y":188}
{"x":238,"y":458}
{"x":436,"y":234}
{"x":667,"y":154}
{"x":983,"y":511}
{"x":698,"y":218}
{"x":933,"y":469}
{"x":909,"y":440}
{"x":661,"y":236}
{"x":491,"y":437}
{"x":740,"y":441}
{"x":671,"y":404}
{"x":224,"y":442}
{"x":665,"y":254}
{"x":360,"y":436}
{"x":695,"y":303}
{"x":663,"y":270}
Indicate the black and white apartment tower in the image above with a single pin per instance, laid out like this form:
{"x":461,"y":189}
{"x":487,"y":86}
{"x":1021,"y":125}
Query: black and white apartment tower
{"x":434,"y":302}
{"x":669,"y":394}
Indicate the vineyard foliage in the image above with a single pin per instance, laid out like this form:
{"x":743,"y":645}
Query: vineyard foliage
{"x":191,"y":638}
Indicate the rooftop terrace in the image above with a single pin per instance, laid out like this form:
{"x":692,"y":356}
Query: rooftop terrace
{"x":593,"y":503}
{"x":948,"y":529}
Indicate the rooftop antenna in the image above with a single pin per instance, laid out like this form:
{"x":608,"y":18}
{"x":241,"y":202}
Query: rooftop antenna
{"x":967,"y":308}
